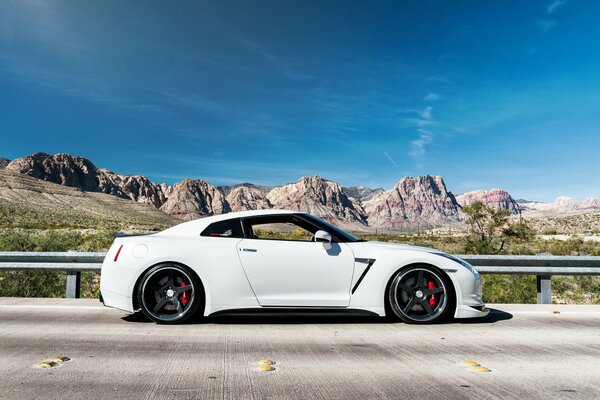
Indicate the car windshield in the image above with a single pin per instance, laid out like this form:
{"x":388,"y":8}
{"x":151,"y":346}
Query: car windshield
{"x":332,"y":228}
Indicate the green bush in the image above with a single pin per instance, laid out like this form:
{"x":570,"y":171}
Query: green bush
{"x":50,"y":283}
{"x":509,"y":289}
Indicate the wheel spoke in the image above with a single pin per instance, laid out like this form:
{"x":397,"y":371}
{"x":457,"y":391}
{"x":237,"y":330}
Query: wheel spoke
{"x":161,"y":303}
{"x":420,"y":279}
{"x":429,"y":292}
{"x":410,"y":305}
{"x":425,"y":304}
{"x":181,"y":289}
{"x":404,"y":287}
{"x":177,"y":304}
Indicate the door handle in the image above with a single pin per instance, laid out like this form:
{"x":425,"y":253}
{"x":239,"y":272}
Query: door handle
{"x":250,"y":250}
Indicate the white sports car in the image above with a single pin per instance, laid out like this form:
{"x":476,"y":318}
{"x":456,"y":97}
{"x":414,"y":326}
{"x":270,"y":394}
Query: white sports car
{"x":240,"y":261}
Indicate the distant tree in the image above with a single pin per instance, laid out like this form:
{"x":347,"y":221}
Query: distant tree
{"x":490,"y":229}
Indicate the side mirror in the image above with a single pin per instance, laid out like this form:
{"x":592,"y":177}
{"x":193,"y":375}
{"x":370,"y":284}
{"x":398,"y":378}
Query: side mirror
{"x":323,"y":237}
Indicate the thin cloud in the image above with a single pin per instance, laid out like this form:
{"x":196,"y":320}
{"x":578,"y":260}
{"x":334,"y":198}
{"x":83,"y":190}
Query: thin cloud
{"x":418,"y":147}
{"x":391,"y":160}
{"x":555,"y":6}
{"x":427,"y":113}
{"x":432,"y":97}
{"x":546,"y":25}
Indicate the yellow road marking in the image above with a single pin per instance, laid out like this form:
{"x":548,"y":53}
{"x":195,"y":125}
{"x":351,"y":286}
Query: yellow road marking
{"x":471,"y":363}
{"x":52,"y":362}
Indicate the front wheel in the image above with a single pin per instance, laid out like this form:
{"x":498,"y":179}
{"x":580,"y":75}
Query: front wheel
{"x":168,"y":293}
{"x":420,"y":294}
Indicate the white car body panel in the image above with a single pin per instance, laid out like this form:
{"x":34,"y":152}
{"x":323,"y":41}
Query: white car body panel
{"x":300,"y":274}
{"x":279,"y":273}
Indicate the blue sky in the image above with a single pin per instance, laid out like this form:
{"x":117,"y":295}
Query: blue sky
{"x":485,"y":93}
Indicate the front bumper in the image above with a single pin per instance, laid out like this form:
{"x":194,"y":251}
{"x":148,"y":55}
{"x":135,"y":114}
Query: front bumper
{"x":470,"y":304}
{"x":464,"y":311}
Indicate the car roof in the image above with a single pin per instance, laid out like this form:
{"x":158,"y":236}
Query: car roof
{"x":197,"y":225}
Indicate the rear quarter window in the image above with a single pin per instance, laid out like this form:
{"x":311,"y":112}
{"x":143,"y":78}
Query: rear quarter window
{"x":231,"y":228}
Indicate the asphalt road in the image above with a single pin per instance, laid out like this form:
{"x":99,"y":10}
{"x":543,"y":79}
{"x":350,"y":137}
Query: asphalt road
{"x":532,"y":352}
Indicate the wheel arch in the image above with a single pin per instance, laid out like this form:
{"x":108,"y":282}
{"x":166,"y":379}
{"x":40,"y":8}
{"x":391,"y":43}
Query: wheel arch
{"x":134,"y":293}
{"x":454,"y":297}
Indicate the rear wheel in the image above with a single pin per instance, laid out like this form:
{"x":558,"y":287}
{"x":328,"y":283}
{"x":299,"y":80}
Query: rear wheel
{"x":420,"y":294}
{"x":168,"y":293}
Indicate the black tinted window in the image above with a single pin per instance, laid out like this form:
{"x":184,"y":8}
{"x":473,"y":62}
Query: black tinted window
{"x":230,"y":228}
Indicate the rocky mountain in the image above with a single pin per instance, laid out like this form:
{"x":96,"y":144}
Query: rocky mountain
{"x":423,"y":201}
{"x":79,"y":172}
{"x":562,"y":205}
{"x":63,"y":169}
{"x":35,"y":203}
{"x":494,"y":197}
{"x":226,"y":189}
{"x":320,"y":197}
{"x":194,"y":198}
{"x":3,"y":162}
{"x":135,"y":187}
{"x":361,"y":193}
{"x":247,"y":197}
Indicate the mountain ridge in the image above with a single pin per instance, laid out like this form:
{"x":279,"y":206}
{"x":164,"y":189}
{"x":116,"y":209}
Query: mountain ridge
{"x":422,"y":201}
{"x":4,"y":162}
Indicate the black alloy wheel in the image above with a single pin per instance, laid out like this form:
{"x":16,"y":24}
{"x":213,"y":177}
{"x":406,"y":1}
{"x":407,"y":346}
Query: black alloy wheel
{"x":420,"y":294}
{"x":168,"y":293}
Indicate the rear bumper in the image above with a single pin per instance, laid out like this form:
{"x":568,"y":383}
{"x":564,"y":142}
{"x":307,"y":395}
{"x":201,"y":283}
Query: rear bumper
{"x":115,"y":300}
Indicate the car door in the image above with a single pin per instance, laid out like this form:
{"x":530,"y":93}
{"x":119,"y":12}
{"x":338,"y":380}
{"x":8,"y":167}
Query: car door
{"x":291,"y":270}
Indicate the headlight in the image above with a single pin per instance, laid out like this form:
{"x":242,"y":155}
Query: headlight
{"x":460,"y":261}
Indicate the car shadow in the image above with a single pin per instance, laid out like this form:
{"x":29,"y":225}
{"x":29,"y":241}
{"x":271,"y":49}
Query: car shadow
{"x":494,"y":316}
{"x":306,"y":317}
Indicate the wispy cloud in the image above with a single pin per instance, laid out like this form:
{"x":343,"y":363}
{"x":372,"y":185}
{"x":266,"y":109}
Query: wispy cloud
{"x":418,"y":147}
{"x":391,"y":160}
{"x":427,"y":113}
{"x":278,"y":62}
{"x":432,"y":97}
{"x":423,"y":122}
{"x":546,"y":25}
{"x":555,"y":6}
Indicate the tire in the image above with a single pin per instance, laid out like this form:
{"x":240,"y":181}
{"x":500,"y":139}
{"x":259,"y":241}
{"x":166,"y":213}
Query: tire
{"x":421,"y":294}
{"x":169,"y":294}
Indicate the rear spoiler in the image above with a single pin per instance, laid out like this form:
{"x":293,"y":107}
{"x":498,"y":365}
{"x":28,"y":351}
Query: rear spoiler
{"x":123,"y":234}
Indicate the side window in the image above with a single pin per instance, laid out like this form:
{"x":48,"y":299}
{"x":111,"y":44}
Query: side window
{"x":279,"y":228}
{"x":230,"y":228}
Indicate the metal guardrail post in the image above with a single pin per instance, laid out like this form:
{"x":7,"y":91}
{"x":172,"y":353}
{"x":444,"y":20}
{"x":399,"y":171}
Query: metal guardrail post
{"x":73,"y":285}
{"x":544,"y":289}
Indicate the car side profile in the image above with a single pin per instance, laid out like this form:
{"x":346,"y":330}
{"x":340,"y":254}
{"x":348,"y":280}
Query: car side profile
{"x":282,"y":259}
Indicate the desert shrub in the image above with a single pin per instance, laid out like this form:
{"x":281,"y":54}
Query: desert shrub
{"x":509,"y":289}
{"x":49,"y":283}
{"x":549,"y":231}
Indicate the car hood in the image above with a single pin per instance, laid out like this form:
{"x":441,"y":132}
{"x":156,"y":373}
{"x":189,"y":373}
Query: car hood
{"x":401,"y":246}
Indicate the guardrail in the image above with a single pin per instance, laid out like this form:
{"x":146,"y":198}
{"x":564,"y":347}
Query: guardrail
{"x":543,"y":266}
{"x":73,"y":262}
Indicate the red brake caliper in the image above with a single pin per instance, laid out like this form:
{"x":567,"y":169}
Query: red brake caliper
{"x":184,"y":297}
{"x":433,"y":298}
